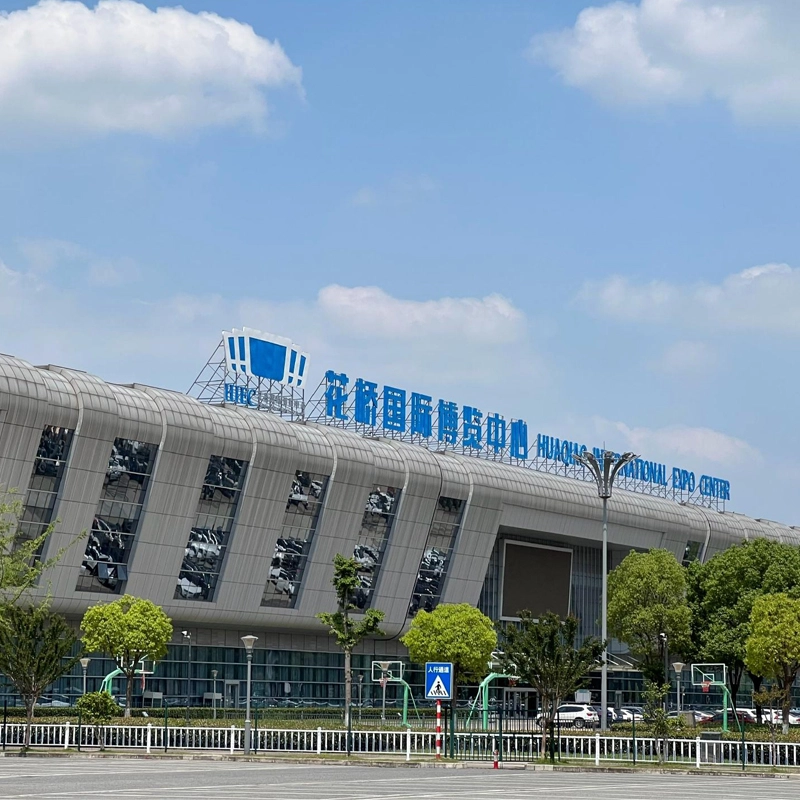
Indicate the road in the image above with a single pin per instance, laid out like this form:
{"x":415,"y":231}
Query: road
{"x":132,"y":779}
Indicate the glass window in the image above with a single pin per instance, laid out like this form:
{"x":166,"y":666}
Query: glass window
{"x":108,"y":548}
{"x":436,"y":557}
{"x":209,"y":537}
{"x":48,"y":470}
{"x":300,"y":519}
{"x":376,"y":525}
{"x":692,"y":552}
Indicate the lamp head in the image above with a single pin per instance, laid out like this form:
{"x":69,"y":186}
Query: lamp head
{"x":85,"y":662}
{"x":249,"y":642}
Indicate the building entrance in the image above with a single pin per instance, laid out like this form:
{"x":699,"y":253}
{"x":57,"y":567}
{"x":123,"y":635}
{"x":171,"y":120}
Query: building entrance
{"x":520,"y":707}
{"x":231,"y":694}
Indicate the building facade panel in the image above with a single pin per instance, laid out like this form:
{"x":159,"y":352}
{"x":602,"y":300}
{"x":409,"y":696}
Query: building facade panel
{"x":425,"y":524}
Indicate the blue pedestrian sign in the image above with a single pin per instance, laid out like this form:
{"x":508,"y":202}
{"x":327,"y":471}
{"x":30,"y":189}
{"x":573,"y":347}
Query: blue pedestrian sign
{"x":438,"y":680}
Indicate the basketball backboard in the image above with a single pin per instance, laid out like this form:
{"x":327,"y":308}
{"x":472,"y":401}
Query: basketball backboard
{"x":390,"y":671}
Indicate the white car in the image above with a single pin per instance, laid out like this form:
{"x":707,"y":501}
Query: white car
{"x":777,"y":716}
{"x":579,"y":715}
{"x":631,"y":714}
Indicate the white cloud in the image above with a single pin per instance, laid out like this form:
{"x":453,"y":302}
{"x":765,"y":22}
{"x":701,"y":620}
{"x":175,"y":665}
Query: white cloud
{"x":400,"y":190}
{"x":444,"y":344}
{"x":365,"y":197}
{"x":66,"y":68}
{"x":368,"y":311}
{"x":674,"y":51}
{"x":679,"y":442}
{"x":686,"y":358}
{"x":60,"y":256}
{"x":759,"y":299}
{"x":43,"y":254}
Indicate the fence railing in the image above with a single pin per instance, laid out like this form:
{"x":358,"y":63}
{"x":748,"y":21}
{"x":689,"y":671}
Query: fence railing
{"x":465,"y":745}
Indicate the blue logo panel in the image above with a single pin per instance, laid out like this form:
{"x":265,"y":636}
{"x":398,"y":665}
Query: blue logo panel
{"x":255,"y":354}
{"x":267,"y":360}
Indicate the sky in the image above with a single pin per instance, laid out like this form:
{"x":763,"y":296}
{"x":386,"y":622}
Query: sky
{"x":581,"y":215}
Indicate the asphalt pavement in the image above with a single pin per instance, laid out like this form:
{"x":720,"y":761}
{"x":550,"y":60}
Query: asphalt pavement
{"x":135,"y":779}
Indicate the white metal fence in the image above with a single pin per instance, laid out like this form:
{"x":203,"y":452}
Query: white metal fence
{"x":466,"y":745}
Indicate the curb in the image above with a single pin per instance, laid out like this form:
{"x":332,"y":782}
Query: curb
{"x":344,"y":762}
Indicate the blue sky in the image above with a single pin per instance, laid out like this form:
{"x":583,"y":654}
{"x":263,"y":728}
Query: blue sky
{"x":583,"y":216}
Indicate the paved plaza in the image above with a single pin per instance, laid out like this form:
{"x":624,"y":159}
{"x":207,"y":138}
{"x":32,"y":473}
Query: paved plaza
{"x":206,"y":780}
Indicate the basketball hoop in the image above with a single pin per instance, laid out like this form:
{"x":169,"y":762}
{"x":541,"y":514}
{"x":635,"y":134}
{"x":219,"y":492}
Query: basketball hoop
{"x":706,"y":685}
{"x":384,"y":681}
{"x":512,"y":682}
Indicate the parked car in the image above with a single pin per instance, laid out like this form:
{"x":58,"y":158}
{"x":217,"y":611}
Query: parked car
{"x":53,"y":701}
{"x":631,"y":714}
{"x":579,"y":715}
{"x":610,"y":712}
{"x":744,"y":713}
{"x":776,"y":716}
{"x":699,"y":716}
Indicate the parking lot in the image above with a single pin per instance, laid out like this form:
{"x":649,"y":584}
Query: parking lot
{"x":208,"y":780}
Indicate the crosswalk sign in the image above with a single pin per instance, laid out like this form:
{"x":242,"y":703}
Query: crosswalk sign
{"x":438,"y":680}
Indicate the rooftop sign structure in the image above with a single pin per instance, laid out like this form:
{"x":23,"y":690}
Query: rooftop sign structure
{"x":268,"y":373}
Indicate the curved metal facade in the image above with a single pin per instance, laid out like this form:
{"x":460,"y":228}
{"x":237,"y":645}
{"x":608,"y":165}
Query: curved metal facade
{"x":497,"y":499}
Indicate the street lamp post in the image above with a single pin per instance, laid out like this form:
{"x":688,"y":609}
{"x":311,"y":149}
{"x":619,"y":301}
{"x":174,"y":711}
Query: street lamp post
{"x":249,"y":642}
{"x":85,"y":667}
{"x":188,"y":638}
{"x":214,"y":692}
{"x":604,"y":471}
{"x":678,"y":667}
{"x":665,"y":650}
{"x":360,"y":687}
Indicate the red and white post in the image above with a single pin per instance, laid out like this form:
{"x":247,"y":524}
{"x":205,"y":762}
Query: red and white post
{"x":438,"y":729}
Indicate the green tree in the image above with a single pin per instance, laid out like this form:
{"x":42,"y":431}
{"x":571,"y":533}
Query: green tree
{"x":348,"y":632}
{"x":128,"y":630}
{"x":543,"y":654}
{"x":454,"y":632}
{"x":655,"y":712}
{"x":647,"y":597}
{"x":721,"y":594}
{"x":36,"y":649}
{"x":773,"y":647}
{"x":98,"y":709}
{"x":20,"y":562}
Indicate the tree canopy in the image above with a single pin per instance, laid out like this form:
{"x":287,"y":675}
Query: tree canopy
{"x":128,"y":630}
{"x":543,"y":654}
{"x":36,"y":649}
{"x":773,"y":648}
{"x":20,"y":563}
{"x":647,"y":597}
{"x":346,"y":582}
{"x":722,"y":592}
{"x":455,"y":632}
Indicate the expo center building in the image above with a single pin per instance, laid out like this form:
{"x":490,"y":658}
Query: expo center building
{"x":229,"y":516}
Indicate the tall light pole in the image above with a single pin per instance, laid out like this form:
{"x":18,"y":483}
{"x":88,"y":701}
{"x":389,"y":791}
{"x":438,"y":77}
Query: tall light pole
{"x":249,"y":642}
{"x":188,"y":638}
{"x":214,"y":692}
{"x":664,"y":639}
{"x":85,"y":667}
{"x":678,"y":667}
{"x":604,"y":471}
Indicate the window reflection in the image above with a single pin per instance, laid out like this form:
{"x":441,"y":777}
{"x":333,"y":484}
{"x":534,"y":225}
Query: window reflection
{"x":48,"y":470}
{"x":376,"y":525}
{"x":436,"y":557}
{"x":208,"y":538}
{"x":289,"y":557}
{"x":110,"y":541}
